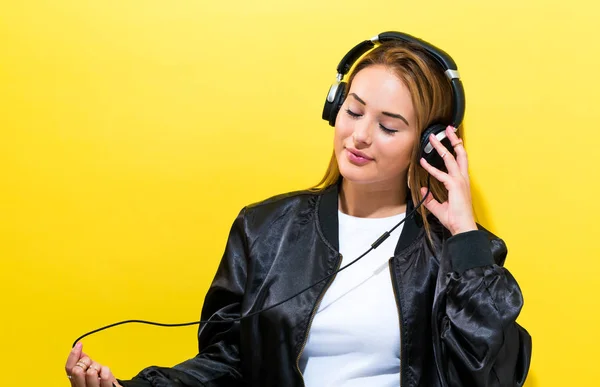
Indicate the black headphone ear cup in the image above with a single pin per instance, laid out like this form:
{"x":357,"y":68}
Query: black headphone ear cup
{"x":433,"y":157}
{"x":331,"y":109}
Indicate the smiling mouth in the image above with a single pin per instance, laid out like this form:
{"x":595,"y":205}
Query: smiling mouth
{"x":357,"y":159}
{"x":359,"y":154}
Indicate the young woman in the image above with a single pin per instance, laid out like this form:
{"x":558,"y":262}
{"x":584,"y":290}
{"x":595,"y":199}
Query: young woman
{"x":431,"y":305}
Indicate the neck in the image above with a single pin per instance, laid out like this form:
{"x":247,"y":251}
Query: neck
{"x":372,"y":200}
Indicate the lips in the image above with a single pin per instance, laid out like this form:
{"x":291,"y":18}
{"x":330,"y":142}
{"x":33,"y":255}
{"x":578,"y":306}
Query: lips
{"x":359,"y":154}
{"x":357,"y":158}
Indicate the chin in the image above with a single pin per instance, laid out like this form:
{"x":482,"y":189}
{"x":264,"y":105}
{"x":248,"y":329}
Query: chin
{"x":356,"y":174}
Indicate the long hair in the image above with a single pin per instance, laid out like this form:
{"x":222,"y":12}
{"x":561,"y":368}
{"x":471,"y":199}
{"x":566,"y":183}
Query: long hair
{"x":431,"y":95}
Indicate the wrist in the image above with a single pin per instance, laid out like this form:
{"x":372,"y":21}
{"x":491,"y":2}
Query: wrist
{"x":472,"y":226}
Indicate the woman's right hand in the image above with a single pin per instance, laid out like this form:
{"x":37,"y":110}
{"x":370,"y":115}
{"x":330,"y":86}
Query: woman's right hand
{"x":84,"y":372}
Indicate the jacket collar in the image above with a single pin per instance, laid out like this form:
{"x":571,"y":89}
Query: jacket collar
{"x":327,"y":208}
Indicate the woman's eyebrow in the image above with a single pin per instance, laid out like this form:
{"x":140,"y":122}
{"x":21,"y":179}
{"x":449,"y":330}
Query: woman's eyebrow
{"x":394,"y":115}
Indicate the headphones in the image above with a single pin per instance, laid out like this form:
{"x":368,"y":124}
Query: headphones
{"x":337,"y":92}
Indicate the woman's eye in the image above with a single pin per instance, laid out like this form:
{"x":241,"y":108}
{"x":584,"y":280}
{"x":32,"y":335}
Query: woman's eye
{"x":352,"y":114}
{"x":387,"y":130}
{"x":357,"y":115}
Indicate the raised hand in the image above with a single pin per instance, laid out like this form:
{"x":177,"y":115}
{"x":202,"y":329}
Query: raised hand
{"x":456,"y":214}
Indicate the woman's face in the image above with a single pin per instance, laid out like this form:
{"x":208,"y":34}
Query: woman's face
{"x":375,"y":129}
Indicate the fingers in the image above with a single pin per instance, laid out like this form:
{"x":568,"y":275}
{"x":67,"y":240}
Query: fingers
{"x":92,"y":375}
{"x":444,"y":153}
{"x":72,"y":359}
{"x":106,"y":377}
{"x":459,"y":149}
{"x":84,"y":372}
{"x":431,"y":204}
{"x":433,"y":171}
{"x":78,"y":372}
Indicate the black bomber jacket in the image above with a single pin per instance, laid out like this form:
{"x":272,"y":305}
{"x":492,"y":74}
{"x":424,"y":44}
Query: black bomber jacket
{"x":457,"y":304}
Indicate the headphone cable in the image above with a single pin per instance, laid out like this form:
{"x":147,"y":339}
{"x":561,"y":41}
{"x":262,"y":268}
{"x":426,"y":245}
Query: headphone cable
{"x":374,"y":245}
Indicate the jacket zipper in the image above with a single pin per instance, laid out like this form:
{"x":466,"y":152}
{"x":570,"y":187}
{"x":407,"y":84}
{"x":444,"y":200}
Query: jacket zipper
{"x":312,"y":316}
{"x":397,"y":298}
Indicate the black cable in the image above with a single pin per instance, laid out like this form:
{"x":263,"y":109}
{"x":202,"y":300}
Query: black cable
{"x":374,"y":245}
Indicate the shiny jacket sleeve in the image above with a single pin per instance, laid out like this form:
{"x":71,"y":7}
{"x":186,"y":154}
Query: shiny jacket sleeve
{"x":477,"y":340}
{"x":218,"y":361}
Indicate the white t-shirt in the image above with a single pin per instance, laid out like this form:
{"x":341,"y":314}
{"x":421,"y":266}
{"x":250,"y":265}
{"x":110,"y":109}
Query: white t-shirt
{"x":354,"y":339}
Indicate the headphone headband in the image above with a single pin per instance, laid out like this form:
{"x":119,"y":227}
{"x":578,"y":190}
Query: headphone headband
{"x":438,"y":54}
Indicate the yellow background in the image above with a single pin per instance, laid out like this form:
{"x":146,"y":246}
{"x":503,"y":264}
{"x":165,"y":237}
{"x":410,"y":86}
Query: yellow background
{"x":132,"y":132}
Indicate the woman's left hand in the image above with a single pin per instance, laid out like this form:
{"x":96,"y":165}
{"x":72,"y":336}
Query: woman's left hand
{"x":456,"y":214}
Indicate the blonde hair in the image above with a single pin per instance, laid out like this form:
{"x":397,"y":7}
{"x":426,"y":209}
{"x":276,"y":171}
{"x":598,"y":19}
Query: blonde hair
{"x":432,"y":101}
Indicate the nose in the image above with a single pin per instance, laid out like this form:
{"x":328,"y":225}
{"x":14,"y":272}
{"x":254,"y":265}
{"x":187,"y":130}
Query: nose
{"x":362,"y":133}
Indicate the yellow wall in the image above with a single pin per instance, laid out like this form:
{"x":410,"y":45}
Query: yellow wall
{"x":132,"y":132}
